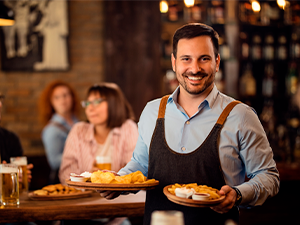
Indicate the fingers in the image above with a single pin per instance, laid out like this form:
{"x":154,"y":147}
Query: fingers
{"x":29,"y":166}
{"x":109,"y":194}
{"x":4,"y":162}
{"x":228,"y":203}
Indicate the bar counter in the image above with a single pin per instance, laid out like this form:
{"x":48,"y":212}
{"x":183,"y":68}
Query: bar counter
{"x":92,"y":207}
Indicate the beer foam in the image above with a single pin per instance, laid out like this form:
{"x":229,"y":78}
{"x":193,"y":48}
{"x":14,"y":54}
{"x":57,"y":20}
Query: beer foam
{"x":8,"y":169}
{"x":22,"y":161}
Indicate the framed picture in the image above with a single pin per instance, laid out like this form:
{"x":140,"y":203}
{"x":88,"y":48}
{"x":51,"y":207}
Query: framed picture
{"x":38,"y":39}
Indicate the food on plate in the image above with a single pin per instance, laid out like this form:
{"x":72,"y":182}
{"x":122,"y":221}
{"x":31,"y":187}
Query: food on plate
{"x":109,"y":178}
{"x":83,"y":177}
{"x":56,"y":189}
{"x":214,"y":193}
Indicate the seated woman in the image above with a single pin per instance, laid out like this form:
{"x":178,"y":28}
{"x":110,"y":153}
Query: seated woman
{"x":109,"y":133}
{"x":58,"y":108}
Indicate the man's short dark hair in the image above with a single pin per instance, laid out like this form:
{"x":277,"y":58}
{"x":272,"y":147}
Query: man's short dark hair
{"x":193,"y":30}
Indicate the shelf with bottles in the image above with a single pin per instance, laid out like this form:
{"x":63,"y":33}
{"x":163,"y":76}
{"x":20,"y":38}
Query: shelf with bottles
{"x":209,"y":12}
{"x":269,"y":12}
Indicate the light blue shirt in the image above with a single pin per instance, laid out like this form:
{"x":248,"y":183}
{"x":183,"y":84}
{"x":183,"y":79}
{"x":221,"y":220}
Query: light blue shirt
{"x":243,"y":147}
{"x":54,"y":139}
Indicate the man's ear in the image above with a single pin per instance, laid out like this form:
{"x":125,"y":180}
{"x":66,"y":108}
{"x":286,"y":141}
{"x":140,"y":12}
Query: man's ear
{"x":173,"y":61}
{"x":218,"y":60}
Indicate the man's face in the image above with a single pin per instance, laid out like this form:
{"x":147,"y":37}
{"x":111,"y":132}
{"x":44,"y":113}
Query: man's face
{"x":195,"y":65}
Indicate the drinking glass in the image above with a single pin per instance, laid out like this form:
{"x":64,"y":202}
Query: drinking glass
{"x":170,"y":217}
{"x":9,"y":184}
{"x":21,"y":161}
{"x":103,"y":162}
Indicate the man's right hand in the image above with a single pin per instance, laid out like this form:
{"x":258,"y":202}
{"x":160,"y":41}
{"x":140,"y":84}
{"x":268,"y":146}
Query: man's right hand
{"x":111,"y":194}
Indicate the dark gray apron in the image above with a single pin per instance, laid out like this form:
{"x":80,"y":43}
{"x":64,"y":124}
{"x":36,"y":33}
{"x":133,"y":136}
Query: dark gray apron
{"x":201,"y":166}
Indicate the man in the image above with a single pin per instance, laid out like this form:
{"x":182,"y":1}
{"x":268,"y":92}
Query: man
{"x":10,"y":145}
{"x":183,"y":138}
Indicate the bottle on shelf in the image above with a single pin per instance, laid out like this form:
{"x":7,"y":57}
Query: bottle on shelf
{"x":244,"y":45}
{"x":282,"y":49}
{"x":269,"y":81}
{"x":268,"y":50}
{"x":247,"y":83}
{"x":295,"y":46}
{"x":256,"y":52}
{"x":217,"y":12}
{"x":264,"y":15}
{"x":224,"y":48}
{"x":292,"y":80}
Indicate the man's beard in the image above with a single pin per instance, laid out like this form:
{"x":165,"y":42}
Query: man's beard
{"x":183,"y":83}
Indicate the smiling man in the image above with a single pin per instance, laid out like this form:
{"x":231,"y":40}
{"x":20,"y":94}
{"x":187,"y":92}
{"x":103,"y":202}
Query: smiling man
{"x":199,"y":135}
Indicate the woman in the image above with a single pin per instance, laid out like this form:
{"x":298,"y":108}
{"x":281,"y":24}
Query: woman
{"x":110,"y":133}
{"x":58,"y":108}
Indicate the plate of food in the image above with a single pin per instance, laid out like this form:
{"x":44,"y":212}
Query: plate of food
{"x":58,"y":192}
{"x":109,"y":181}
{"x":193,"y":195}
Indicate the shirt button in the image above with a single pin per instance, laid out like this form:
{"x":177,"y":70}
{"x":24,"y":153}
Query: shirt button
{"x":187,"y":122}
{"x":183,"y":148}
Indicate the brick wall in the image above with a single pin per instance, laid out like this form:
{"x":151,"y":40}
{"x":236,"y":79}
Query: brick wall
{"x":22,"y":89}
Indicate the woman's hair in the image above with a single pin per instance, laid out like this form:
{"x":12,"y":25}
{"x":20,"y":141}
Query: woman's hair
{"x":119,"y":109}
{"x":46,"y":109}
{"x":193,"y":30}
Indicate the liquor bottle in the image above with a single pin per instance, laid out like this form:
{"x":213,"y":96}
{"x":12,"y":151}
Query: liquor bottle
{"x":295,"y":47}
{"x":247,"y":83}
{"x":196,"y":13}
{"x":256,"y":47}
{"x":269,"y":81}
{"x":224,"y":48}
{"x":292,"y":80}
{"x":282,"y":49}
{"x":244,"y":45}
{"x":173,"y":13}
{"x":268,"y":50}
{"x":264,"y":15}
{"x":217,"y":12}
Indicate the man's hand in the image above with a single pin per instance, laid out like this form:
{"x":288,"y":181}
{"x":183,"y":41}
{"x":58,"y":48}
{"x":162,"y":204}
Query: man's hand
{"x":110,"y":194}
{"x":228,"y":203}
{"x":29,"y":176}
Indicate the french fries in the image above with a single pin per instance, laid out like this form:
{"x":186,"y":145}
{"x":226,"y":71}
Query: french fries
{"x":109,"y":178}
{"x":214,"y":193}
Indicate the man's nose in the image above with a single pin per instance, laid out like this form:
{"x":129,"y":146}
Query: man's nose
{"x":195,"y":67}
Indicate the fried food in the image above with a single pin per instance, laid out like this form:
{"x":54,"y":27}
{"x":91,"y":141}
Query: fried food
{"x":56,"y":189}
{"x":214,"y":193}
{"x":109,"y":178}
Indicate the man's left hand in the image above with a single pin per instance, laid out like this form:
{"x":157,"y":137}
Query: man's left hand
{"x":228,"y":203}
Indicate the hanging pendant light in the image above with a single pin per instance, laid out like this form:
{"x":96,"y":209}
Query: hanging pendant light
{"x":6,"y":16}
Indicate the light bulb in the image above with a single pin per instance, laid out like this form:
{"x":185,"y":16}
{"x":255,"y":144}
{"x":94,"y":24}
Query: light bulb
{"x":281,"y":3}
{"x":255,"y":6}
{"x":163,"y":5}
{"x":189,"y":3}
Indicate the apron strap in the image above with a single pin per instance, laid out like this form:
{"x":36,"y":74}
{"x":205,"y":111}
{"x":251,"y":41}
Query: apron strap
{"x":162,"y":106}
{"x":226,"y":112}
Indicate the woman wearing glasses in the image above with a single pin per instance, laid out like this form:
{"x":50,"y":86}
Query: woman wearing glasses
{"x":109,"y":135}
{"x":58,"y":108}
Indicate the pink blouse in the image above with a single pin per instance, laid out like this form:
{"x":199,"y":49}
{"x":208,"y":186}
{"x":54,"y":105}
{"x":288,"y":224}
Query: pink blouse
{"x":81,"y":147}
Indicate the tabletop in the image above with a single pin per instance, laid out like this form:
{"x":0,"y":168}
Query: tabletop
{"x":74,"y":209}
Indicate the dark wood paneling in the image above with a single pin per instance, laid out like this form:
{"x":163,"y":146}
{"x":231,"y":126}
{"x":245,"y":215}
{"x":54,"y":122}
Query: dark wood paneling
{"x":132,"y":50}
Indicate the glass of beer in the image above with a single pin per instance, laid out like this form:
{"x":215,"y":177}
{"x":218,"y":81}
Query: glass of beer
{"x":21,"y":161}
{"x":9,"y":184}
{"x":103,"y":162}
{"x":169,"y":217}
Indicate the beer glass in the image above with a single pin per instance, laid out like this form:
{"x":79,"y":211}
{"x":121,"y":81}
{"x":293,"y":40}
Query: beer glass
{"x":9,"y":185}
{"x":170,"y":217}
{"x":21,"y":161}
{"x":103,"y":162}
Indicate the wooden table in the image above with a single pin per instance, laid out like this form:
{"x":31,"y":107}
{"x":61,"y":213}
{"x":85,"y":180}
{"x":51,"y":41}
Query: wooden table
{"x":93,"y":207}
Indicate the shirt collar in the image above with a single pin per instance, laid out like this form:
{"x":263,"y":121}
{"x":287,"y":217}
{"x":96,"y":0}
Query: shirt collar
{"x":209,"y":100}
{"x":57,"y":118}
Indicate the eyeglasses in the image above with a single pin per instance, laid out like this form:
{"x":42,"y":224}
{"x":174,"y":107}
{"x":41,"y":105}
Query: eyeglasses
{"x":2,"y":97}
{"x":96,"y":102}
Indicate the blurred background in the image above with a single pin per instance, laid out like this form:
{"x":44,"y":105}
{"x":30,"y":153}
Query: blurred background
{"x":130,"y":43}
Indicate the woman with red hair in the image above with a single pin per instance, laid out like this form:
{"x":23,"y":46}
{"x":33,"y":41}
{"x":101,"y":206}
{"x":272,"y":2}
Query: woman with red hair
{"x":58,"y":109}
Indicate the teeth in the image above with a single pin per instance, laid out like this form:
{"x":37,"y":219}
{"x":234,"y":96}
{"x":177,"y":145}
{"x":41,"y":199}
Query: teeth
{"x":195,"y":78}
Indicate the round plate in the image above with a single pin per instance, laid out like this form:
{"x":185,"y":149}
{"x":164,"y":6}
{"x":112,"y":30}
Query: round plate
{"x":191,"y":202}
{"x":112,"y":187}
{"x":82,"y":194}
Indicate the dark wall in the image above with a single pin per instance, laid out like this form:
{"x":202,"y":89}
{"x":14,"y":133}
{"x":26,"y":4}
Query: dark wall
{"x":132,"y":50}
